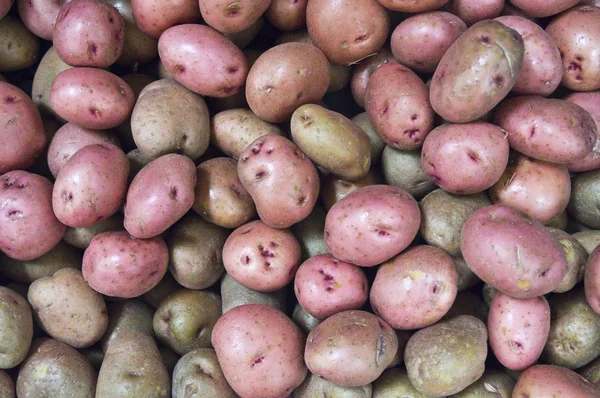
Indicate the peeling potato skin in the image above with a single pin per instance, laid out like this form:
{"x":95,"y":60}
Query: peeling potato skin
{"x":198,"y":375}
{"x":548,"y":380}
{"x":232,"y":16}
{"x":357,"y":336}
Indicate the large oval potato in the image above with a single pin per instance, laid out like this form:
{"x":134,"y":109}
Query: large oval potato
{"x":16,"y":328}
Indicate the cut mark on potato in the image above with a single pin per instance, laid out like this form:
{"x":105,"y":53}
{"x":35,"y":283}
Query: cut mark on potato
{"x":257,"y":360}
{"x":173,"y":193}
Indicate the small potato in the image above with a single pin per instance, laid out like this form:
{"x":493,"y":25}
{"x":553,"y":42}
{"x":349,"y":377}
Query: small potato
{"x":316,"y":386}
{"x":392,"y":222}
{"x":185,"y":320}
{"x":28,"y":226}
{"x":7,"y":385}
{"x":92,"y":98}
{"x":153,"y":17}
{"x":116,"y":264}
{"x":54,"y":369}
{"x":68,"y":309}
{"x":583,"y":204}
{"x":16,"y":328}
{"x":39,"y":16}
{"x":285,"y":77}
{"x":266,"y":361}
{"x":81,"y":237}
{"x":234,"y":294}
{"x":203,"y":60}
{"x":590,"y":101}
{"x":132,"y":366}
{"x":397,"y":102}
{"x":576,"y":256}
{"x":591,"y":372}
{"x":244,"y":37}
{"x":466,"y":277}
{"x":332,"y":141}
{"x":127,"y":315}
{"x":159,"y":195}
{"x":275,"y":164}
{"x":557,"y":381}
{"x":91,"y":186}
{"x":288,"y":15}
{"x":462,"y":94}
{"x":377,"y":145}
{"x":19,"y":48}
{"x":403,"y":169}
{"x":412,"y":6}
{"x":334,"y":188}
{"x":420,"y":41}
{"x":423,"y":280}
{"x":198,"y":375}
{"x":592,"y":280}
{"x":357,"y":336}
{"x":234,"y":17}
{"x":49,"y":67}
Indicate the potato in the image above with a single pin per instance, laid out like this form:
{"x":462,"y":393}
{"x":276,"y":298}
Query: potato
{"x":412,"y":5}
{"x":512,"y":252}
{"x":116,"y":264}
{"x":420,"y":41}
{"x":397,"y":102}
{"x":471,"y":11}
{"x":546,"y":380}
{"x":199,"y":375}
{"x":461,"y":94}
{"x":359,"y":336}
{"x":185,"y":319}
{"x":285,"y":77}
{"x":234,"y":17}
{"x":334,"y":188}
{"x":592,"y":280}
{"x":19,"y":48}
{"x":305,"y":321}
{"x":377,"y":145}
{"x":133,"y":367}
{"x":423,"y":280}
{"x":169,"y":358}
{"x":22,"y":132}
{"x":220,"y":197}
{"x":332,"y":141}
{"x":493,"y":383}
{"x":155,"y":16}
{"x":28,"y":226}
{"x":49,"y":67}
{"x":5,"y":7}
{"x":267,"y":359}
{"x":309,"y":233}
{"x":161,"y":290}
{"x":159,"y":195}
{"x":244,"y":37}
{"x":54,"y":369}
{"x":394,"y":383}
{"x":168,"y":118}
{"x":591,"y":372}
{"x":81,"y":237}
{"x":91,"y":186}
{"x":92,"y":98}
{"x":588,"y":239}
{"x":576,"y":256}
{"x":403,"y":169}
{"x":7,"y":385}
{"x":468,"y":302}
{"x":68,"y":309}
{"x":39,"y":16}
{"x":234,"y":294}
{"x":16,"y":328}
{"x":287,"y":15}
{"x":316,"y":386}
{"x":539,"y":9}
{"x":590,"y":101}
{"x":583,"y":204}
{"x":203,"y":60}
{"x":195,"y":252}
{"x":132,"y":314}
{"x":362,"y":71}
{"x":392,"y":223}
{"x":274,"y":163}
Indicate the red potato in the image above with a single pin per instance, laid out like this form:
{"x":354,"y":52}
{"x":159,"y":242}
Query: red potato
{"x":39,"y":16}
{"x":397,"y":102}
{"x":287,"y":15}
{"x":159,"y":195}
{"x":91,"y":185}
{"x":413,"y":6}
{"x":92,"y":98}
{"x":21,"y":129}
{"x":471,"y":11}
{"x":261,"y":257}
{"x":543,"y":8}
{"x":153,"y":17}
{"x":420,"y":41}
{"x":480,"y":148}
{"x":591,"y":280}
{"x":88,"y":33}
{"x":518,"y":329}
{"x":590,"y":101}
{"x":203,"y":60}
{"x":118,"y":265}
{"x":415,"y":289}
{"x":325,"y":286}
{"x":28,"y":226}
{"x":5,"y":6}
{"x":362,"y":71}
{"x":273,"y":163}
{"x":553,"y":381}
{"x":232,"y":17}
{"x":266,"y":359}
{"x":371,"y":225}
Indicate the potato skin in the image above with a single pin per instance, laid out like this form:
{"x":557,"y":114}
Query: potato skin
{"x":512,"y":252}
{"x":403,"y":169}
{"x":592,"y":280}
{"x":198,"y":375}
{"x":266,"y":360}
{"x":412,"y":6}
{"x":7,"y":385}
{"x":234,"y":294}
{"x":49,"y":67}
{"x":287,"y":15}
{"x":229,"y":18}
{"x":16,"y":328}
{"x":5,"y":7}
{"x":583,"y":205}
{"x":547,"y":380}
{"x":19,"y":48}
{"x":362,"y":71}
{"x":576,"y":256}
{"x":460,"y":93}
{"x":316,"y":386}
{"x":590,"y":101}
{"x":153,"y":17}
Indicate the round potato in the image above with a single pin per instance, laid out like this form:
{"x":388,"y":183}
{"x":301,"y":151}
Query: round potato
{"x":16,"y":328}
{"x":228,"y":18}
{"x":287,"y":15}
{"x":395,"y":381}
{"x":5,"y":6}
{"x":539,"y":9}
{"x":19,"y":48}
{"x":546,"y":380}
{"x":377,"y":145}
{"x":471,"y":11}
{"x":309,"y":233}
{"x":362,"y":71}
{"x":7,"y":385}
{"x":198,"y":375}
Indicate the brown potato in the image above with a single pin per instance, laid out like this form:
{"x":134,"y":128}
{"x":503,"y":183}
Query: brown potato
{"x":81,"y":237}
{"x":19,"y":48}
{"x":7,"y":385}
{"x":131,"y":314}
{"x":234,"y":294}
{"x":163,"y":288}
{"x":588,"y":239}
{"x":334,"y":188}
{"x":395,"y":383}
{"x":49,"y":67}
{"x":403,"y":169}
{"x":305,"y":321}
{"x":576,"y":258}
{"x":244,"y":37}
{"x":199,"y":375}
{"x":316,"y":386}
{"x":309,"y":233}
{"x":362,"y":120}
{"x":16,"y":328}
{"x":583,"y":204}
{"x":491,"y":382}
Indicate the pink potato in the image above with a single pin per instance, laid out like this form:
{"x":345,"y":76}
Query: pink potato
{"x":92,"y":98}
{"x":287,"y":15}
{"x":412,"y":6}
{"x":553,"y":381}
{"x":159,"y":195}
{"x":232,"y":17}
{"x":91,"y":186}
{"x":397,"y":102}
{"x":591,"y":280}
{"x":512,"y":252}
{"x":88,"y":33}
{"x":325,"y":286}
{"x":518,"y":329}
{"x":260,"y":351}
{"x":21,"y":129}
{"x":541,"y":72}
{"x":203,"y":60}
{"x":118,"y":265}
{"x":39,"y":16}
{"x":5,"y":6}
{"x":590,"y":101}
{"x":153,"y":17}
{"x":471,"y":11}
{"x":362,"y":71}
{"x":28,"y":226}
{"x":547,"y":129}
{"x":543,"y":8}
{"x":481,"y":149}
{"x":261,"y":257}
{"x":282,"y":181}
{"x":416,"y":288}
{"x":372,"y":224}
{"x":420,"y":41}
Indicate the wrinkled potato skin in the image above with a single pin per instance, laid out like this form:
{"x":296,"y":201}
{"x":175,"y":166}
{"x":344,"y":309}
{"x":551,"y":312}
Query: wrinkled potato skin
{"x":81,"y":237}
{"x":68,"y":309}
{"x":198,"y":375}
{"x":315,"y":386}
{"x":412,"y":6}
{"x":590,"y":101}
{"x":460,"y":94}
{"x":493,"y":384}
{"x":287,"y":15}
{"x":228,"y":18}
{"x":16,"y":328}
{"x":549,"y":380}
{"x":153,"y":17}
{"x":403,"y":169}
{"x":49,"y":67}
{"x":459,"y":344}
{"x":592,"y":280}
{"x":576,"y":256}
{"x":54,"y":369}
{"x":583,"y":205}
{"x":19,"y":48}
{"x":234,"y":294}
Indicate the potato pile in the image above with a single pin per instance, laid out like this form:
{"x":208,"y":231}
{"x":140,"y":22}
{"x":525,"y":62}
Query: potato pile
{"x":299,"y":198}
